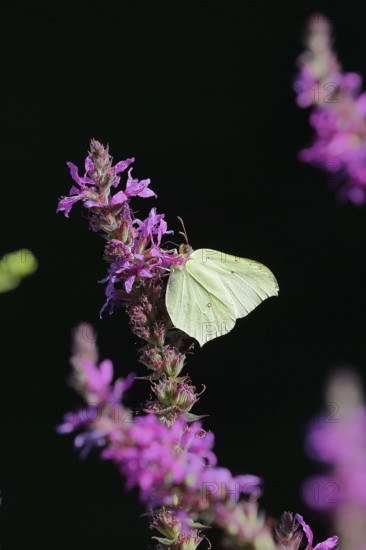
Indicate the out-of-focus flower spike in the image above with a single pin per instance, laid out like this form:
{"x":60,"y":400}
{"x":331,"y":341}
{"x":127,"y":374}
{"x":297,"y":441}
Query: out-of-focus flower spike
{"x":337,"y":117}
{"x":337,"y":438}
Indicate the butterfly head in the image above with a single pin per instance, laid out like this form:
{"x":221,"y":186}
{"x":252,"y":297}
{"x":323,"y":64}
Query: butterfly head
{"x":183,"y":255}
{"x":185,"y":250}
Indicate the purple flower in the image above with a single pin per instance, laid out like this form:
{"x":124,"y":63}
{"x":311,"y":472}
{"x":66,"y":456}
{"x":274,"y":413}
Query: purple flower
{"x":93,"y":188}
{"x":66,"y":203}
{"x":154,"y":224}
{"x":136,"y":188}
{"x":326,"y":545}
{"x":83,"y":193}
{"x":121,"y":166}
{"x":155,"y":461}
{"x":98,"y":379}
{"x":166,"y":258}
{"x":199,"y":442}
{"x":322,"y":492}
{"x":115,"y":249}
{"x":99,"y":418}
{"x":74,"y":172}
{"x":138,"y":269}
{"x":338,"y":440}
{"x":128,"y":269}
{"x":338,"y":115}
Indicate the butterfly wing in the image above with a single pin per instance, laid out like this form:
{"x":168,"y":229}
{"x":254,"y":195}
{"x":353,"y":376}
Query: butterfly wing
{"x":247,"y":282}
{"x":205,"y":299}
{"x":200,"y":306}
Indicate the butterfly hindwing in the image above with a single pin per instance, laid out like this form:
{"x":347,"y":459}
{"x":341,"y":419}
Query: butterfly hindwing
{"x":200,"y":308}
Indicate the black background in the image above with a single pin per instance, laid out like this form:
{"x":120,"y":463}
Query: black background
{"x":200,"y":92}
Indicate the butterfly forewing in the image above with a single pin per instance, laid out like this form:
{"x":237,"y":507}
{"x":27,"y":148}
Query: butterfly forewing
{"x":248,"y":282}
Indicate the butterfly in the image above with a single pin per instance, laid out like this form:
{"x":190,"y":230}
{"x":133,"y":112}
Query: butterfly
{"x":206,"y":295}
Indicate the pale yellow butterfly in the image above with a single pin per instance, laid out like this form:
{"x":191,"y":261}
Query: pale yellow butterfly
{"x":207,"y":294}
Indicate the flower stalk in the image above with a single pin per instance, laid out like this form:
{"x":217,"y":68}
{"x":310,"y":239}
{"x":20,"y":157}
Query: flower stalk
{"x":165,"y":452}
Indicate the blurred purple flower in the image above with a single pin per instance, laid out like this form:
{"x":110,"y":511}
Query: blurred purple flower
{"x":338,"y":441}
{"x":338,"y":115}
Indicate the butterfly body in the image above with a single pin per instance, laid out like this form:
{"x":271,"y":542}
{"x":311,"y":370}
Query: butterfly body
{"x":211,"y":290}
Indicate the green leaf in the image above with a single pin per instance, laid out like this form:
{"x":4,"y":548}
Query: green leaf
{"x":193,"y":417}
{"x":197,"y":525}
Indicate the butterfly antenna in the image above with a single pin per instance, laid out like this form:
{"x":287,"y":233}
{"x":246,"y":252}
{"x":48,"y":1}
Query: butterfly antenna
{"x":184,"y":232}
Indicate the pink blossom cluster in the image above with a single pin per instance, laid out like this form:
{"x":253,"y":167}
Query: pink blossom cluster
{"x":338,"y":113}
{"x":171,"y":466}
{"x":133,"y":247}
{"x":338,"y":441}
{"x":174,"y":468}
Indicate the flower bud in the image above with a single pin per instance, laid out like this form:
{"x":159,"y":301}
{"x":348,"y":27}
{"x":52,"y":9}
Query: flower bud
{"x":189,"y":541}
{"x":167,"y":524}
{"x":99,"y":155}
{"x":173,"y":362}
{"x":176,"y":394}
{"x":288,"y":532}
{"x":151,"y":357}
{"x":159,"y":333}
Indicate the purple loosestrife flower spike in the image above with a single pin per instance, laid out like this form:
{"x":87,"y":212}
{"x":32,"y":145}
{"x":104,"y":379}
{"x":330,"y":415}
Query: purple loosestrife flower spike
{"x":338,"y":440}
{"x":173,"y":467}
{"x":134,"y":279}
{"x":166,"y":454}
{"x":338,"y":114}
